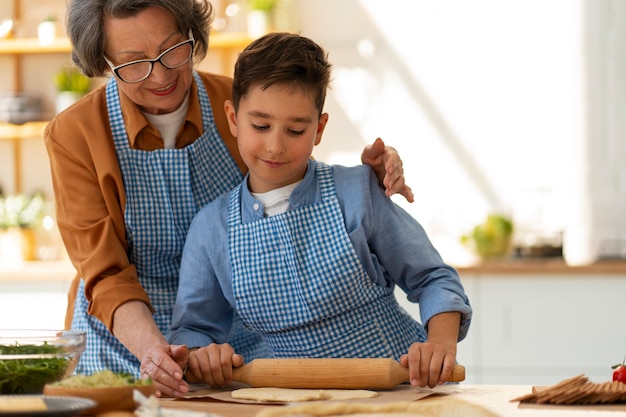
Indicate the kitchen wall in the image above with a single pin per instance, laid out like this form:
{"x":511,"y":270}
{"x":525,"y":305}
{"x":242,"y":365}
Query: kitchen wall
{"x":516,"y":106}
{"x":494,"y":106}
{"x":37,"y":75}
{"x":512,"y":106}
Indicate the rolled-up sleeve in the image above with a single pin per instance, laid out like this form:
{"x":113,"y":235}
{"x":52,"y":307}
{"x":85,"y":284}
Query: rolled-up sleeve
{"x":396,"y":250}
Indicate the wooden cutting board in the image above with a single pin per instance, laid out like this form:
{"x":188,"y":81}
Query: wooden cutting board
{"x":328,"y":373}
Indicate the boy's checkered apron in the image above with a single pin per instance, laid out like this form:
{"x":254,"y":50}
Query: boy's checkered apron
{"x":298,"y":280}
{"x":164,"y":190}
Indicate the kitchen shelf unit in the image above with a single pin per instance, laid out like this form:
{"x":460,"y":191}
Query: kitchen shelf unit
{"x":15,"y":134}
{"x":222,"y":43}
{"x":18,"y":46}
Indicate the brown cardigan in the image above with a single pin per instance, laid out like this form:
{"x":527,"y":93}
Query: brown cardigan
{"x":90,"y":196}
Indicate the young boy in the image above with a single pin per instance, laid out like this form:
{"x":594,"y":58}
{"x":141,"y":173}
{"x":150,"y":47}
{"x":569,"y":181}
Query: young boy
{"x":306,"y":254}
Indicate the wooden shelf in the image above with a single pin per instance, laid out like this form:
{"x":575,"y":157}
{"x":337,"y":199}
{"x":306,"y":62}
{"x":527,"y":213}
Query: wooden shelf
{"x":24,"y":46}
{"x":225,"y":44}
{"x":37,"y":271}
{"x":29,"y":130}
{"x":228,"y":40}
{"x":16,"y":133}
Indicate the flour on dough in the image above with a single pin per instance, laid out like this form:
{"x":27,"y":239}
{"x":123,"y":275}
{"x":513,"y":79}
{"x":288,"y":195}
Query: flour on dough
{"x":435,"y":407}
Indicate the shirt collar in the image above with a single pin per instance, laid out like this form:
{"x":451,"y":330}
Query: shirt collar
{"x":136,"y":122}
{"x":306,"y":193}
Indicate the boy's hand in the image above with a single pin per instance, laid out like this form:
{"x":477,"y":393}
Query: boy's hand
{"x":429,"y":364}
{"x":214,"y":364}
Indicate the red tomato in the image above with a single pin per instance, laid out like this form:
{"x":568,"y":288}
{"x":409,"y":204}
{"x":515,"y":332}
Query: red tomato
{"x":619,"y":373}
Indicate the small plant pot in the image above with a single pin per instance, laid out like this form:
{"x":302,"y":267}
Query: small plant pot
{"x":46,"y":32}
{"x":258,"y":23}
{"x":17,"y":244}
{"x":64,"y":99}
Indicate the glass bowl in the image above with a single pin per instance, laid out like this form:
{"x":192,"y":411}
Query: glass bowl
{"x":29,"y":359}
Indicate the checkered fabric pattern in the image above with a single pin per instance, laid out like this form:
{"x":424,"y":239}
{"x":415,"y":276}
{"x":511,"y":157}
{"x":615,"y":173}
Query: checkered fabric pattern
{"x":164,"y":189}
{"x":298,"y":280}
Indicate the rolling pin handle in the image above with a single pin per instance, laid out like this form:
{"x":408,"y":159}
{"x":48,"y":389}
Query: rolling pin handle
{"x":458,"y":374}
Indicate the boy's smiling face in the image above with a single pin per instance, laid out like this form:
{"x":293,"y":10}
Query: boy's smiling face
{"x":276,"y":131}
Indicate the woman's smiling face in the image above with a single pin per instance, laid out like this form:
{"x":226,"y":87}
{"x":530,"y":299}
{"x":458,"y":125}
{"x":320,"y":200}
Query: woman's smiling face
{"x":145,"y":36}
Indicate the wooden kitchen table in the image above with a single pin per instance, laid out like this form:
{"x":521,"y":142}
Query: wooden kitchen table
{"x":494,"y":397}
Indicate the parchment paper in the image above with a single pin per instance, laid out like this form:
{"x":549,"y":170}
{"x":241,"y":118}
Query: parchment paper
{"x":403,"y":392}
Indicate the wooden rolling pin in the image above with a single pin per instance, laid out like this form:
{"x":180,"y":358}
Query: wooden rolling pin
{"x":323,"y":373}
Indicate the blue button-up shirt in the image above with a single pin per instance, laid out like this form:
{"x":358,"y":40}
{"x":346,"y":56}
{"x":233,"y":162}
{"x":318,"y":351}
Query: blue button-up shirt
{"x":391,"y":244}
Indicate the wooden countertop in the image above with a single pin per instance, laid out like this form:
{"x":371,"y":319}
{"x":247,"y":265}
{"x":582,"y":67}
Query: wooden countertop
{"x":37,"y":271}
{"x":63,"y":271}
{"x":543,"y":266}
{"x":496,"y":398}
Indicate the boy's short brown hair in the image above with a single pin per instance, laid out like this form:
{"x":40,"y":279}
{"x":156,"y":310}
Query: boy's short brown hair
{"x":283,"y":58}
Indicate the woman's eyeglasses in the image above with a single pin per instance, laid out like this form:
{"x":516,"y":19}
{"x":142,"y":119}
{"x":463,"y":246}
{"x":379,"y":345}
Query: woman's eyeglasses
{"x":174,"y":57}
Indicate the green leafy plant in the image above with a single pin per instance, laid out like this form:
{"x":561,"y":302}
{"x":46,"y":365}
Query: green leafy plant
{"x":71,"y":79}
{"x":264,"y":5}
{"x":21,"y":210}
{"x":492,"y":238}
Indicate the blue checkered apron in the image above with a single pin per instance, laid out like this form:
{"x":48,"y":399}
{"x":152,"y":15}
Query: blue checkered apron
{"x":298,"y":280}
{"x":164,"y":190}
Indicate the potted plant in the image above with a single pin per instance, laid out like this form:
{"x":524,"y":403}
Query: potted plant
{"x":492,"y":238}
{"x":71,"y":85}
{"x":47,"y":31}
{"x":20,"y":215}
{"x":259,"y":16}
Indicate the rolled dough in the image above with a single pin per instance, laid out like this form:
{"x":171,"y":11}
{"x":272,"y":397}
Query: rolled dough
{"x":269,"y":394}
{"x":431,"y":407}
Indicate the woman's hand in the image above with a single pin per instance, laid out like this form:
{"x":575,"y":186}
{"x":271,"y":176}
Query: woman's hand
{"x":164,"y":364}
{"x":386,"y":163}
{"x":214,"y":364}
{"x":134,"y":326}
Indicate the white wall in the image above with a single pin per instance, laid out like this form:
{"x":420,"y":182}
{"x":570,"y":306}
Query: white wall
{"x":510,"y":105}
{"x":494,"y":106}
{"x":514,"y":105}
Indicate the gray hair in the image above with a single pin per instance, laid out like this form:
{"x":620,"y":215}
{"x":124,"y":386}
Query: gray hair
{"x":85,"y":26}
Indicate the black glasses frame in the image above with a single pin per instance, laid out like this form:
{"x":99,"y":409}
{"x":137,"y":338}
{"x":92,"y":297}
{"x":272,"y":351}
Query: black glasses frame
{"x":159,"y":58}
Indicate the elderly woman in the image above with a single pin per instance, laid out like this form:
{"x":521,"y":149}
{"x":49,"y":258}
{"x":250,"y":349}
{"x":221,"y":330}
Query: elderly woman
{"x":132,"y":163}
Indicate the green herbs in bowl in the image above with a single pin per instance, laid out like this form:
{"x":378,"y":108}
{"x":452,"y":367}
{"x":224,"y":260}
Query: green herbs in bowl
{"x":30,"y":359}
